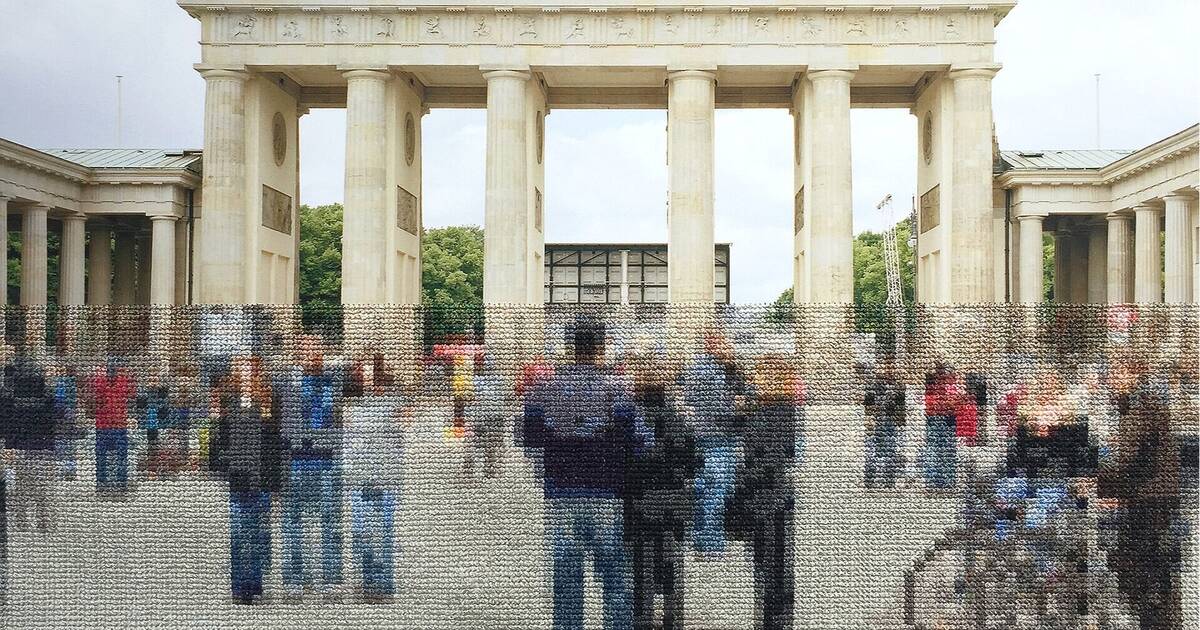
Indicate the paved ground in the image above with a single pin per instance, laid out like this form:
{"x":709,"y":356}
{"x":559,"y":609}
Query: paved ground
{"x":470,"y":554}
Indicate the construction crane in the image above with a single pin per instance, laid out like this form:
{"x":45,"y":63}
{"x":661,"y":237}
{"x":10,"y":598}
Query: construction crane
{"x":891,"y":256}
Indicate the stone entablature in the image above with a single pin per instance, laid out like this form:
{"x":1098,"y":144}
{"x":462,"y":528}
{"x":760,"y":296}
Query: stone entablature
{"x":582,"y":25}
{"x":1166,"y":166}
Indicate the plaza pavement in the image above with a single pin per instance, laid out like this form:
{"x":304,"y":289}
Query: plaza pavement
{"x":470,"y":554}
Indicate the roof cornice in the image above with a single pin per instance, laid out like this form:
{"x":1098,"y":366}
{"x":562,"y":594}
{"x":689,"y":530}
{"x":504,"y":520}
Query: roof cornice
{"x":39,"y":161}
{"x":1185,"y":141}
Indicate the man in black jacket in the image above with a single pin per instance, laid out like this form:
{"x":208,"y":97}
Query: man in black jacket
{"x":27,"y":415}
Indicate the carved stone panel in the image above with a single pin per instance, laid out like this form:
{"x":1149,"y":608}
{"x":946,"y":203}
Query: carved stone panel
{"x":408,"y":213}
{"x":927,"y":138}
{"x":276,"y":210}
{"x":537,"y":209}
{"x":279,"y":138}
{"x":410,"y":138}
{"x":798,"y":210}
{"x":931,"y":215}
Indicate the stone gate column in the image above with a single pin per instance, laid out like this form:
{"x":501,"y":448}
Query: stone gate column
{"x":71,"y":261}
{"x":162,"y":255}
{"x":1179,"y":249}
{"x":33,"y":255}
{"x":1030,"y":286}
{"x":141,"y":294}
{"x":971,"y":263}
{"x":221,"y":256}
{"x":691,"y":102}
{"x":505,"y":212}
{"x":1147,"y":261}
{"x":181,"y":261}
{"x":99,"y":281}
{"x":1120,"y":263}
{"x":364,"y":224}
{"x":830,"y":203}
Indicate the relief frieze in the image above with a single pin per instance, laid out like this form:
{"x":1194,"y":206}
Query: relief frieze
{"x":544,"y":26}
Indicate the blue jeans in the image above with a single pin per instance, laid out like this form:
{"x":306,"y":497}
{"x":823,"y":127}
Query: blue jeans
{"x":315,"y":487}
{"x":249,"y":541}
{"x":940,"y":452}
{"x":576,"y":526}
{"x":883,"y":462}
{"x":714,"y":485}
{"x":112,"y":459}
{"x":372,"y":526}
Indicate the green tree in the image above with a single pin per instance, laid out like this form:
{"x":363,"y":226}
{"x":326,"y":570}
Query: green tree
{"x":321,"y":255}
{"x":452,"y":280}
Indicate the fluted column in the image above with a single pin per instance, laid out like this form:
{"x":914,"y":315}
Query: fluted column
{"x":365,"y":225}
{"x":72,"y":261}
{"x":100,"y":280}
{"x":1147,"y":284}
{"x":162,"y":255}
{"x":1062,"y":265}
{"x":4,"y":247}
{"x":221,"y":266}
{"x":1120,"y":258}
{"x":691,"y":101}
{"x":971,"y":261}
{"x":831,"y":224}
{"x":124,"y":272}
{"x":1097,"y":272}
{"x":1178,"y":249}
{"x":1079,"y":266}
{"x":505,"y":212}
{"x":33,"y":255}
{"x":1030,"y":284}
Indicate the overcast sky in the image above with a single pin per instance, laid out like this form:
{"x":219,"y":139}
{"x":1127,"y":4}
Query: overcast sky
{"x":606,"y":177}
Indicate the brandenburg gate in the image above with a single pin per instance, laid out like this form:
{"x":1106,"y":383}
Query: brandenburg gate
{"x":268,"y":62}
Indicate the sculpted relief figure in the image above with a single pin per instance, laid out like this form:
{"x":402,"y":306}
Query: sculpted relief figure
{"x":670,"y":25}
{"x":715,"y":27}
{"x":951,"y":29}
{"x":291,"y":30}
{"x":433,"y":25}
{"x":528,"y":28}
{"x":901,"y":27}
{"x":761,"y":24}
{"x":576,"y":28}
{"x":387,"y":28}
{"x":339,"y":27}
{"x":809,"y":27}
{"x":245,"y":26}
{"x":857,"y":27}
{"x":621,"y":29}
{"x":481,"y":27}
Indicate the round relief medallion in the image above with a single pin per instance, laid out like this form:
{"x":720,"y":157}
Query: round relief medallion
{"x":410,"y":138}
{"x":279,"y":138}
{"x":927,"y":138}
{"x":538,"y":126}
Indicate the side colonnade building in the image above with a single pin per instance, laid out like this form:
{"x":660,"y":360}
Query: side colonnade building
{"x":1126,"y":224}
{"x":266,"y":63}
{"x":124,"y":217}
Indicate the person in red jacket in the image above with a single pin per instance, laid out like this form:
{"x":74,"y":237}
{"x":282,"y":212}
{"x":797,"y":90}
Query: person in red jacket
{"x":111,"y":390}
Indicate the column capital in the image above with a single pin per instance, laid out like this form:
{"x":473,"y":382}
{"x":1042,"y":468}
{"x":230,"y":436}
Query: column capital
{"x":229,"y":73}
{"x":1031,"y":217}
{"x":375,"y":73}
{"x":844,"y":73}
{"x":1146,"y":207}
{"x":74,"y":216}
{"x":501,"y":72}
{"x":162,"y":217}
{"x":1179,"y":196}
{"x":44,"y":207}
{"x":673,"y":75}
{"x":974,"y":72}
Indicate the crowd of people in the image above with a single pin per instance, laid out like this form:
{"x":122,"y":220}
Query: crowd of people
{"x":644,"y":462}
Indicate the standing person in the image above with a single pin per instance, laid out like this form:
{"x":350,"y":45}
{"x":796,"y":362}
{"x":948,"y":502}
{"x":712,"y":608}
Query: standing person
{"x":763,"y":504}
{"x":374,"y":471}
{"x":490,"y":411}
{"x":111,"y":390}
{"x":658,"y":504}
{"x":309,"y":401}
{"x":585,"y":423}
{"x":1145,"y":486}
{"x":30,"y":423}
{"x":243,"y":448}
{"x":68,"y":432}
{"x":885,"y":411}
{"x":711,"y":387}
{"x":941,"y":403}
{"x":154,"y":412}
